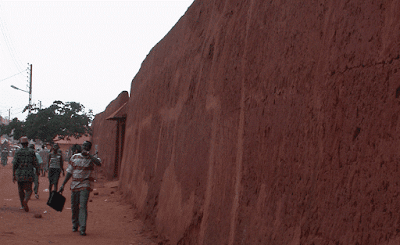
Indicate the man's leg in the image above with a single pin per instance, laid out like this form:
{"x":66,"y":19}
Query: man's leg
{"x":56,"y":177}
{"x":36,"y":185}
{"x":27,"y":190}
{"x":75,"y":209}
{"x":44,"y":170}
{"x":83,"y":213}
{"x":51,"y":179}
{"x":21,"y":193}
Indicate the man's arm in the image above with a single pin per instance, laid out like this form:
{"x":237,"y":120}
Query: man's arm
{"x":48,"y":161}
{"x":62,"y":164}
{"x":95,"y":160}
{"x":15,"y":165}
{"x":67,"y":177}
{"x":36,"y":164}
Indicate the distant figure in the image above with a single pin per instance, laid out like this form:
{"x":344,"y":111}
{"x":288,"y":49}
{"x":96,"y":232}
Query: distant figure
{"x":56,"y":163}
{"x":4,"y":156}
{"x":36,"y":175}
{"x":24,"y":165}
{"x":44,"y":154}
{"x":80,"y":169}
{"x":75,"y":149}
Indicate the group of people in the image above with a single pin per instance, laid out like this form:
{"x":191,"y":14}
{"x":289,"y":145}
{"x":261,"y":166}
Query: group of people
{"x":26,"y":170}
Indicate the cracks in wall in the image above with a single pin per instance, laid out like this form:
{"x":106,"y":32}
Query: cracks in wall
{"x":346,"y":69}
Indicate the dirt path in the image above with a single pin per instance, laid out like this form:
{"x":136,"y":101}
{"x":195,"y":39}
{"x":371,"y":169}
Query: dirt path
{"x":110,"y":221}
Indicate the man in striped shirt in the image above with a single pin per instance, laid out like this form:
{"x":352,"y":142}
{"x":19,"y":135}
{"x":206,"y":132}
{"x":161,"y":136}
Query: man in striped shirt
{"x":80,"y":169}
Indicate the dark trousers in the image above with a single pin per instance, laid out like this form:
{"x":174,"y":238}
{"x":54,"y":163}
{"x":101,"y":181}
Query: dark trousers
{"x":54,"y":176}
{"x":24,"y":190}
{"x":79,"y":201}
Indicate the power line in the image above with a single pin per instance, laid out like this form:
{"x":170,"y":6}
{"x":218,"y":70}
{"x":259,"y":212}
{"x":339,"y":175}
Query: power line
{"x":17,"y":110}
{"x":13,"y":109}
{"x":8,"y":42}
{"x":12,"y":75}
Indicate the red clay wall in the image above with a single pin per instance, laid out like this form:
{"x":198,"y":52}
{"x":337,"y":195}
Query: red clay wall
{"x":270,"y":122}
{"x":105,"y":133}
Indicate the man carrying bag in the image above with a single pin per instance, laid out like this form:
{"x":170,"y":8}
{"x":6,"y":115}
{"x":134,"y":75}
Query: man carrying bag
{"x":80,"y":169}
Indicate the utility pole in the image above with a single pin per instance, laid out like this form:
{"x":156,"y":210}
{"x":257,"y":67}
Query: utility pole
{"x":30,"y":90}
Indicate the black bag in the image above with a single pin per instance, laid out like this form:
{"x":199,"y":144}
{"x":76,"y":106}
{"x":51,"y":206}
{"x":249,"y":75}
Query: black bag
{"x":56,"y":201}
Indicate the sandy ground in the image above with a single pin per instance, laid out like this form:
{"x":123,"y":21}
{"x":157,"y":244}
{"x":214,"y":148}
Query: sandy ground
{"x":110,"y":220}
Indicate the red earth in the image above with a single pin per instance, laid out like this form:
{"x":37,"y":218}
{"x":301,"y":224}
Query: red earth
{"x":110,"y":220}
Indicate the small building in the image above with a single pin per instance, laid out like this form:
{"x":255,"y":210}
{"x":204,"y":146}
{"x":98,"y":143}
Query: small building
{"x":66,"y":144}
{"x":109,"y":129}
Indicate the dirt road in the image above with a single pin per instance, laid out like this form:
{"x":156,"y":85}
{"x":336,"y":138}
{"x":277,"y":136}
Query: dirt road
{"x":110,"y":220}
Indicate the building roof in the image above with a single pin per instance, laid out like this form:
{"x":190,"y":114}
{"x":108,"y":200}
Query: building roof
{"x":120,"y":113}
{"x":71,"y":140}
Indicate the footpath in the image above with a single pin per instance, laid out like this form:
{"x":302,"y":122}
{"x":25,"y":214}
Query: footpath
{"x":110,"y":219}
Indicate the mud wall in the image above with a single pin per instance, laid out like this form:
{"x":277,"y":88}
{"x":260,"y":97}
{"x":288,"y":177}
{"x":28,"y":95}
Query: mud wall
{"x":105,"y":133}
{"x":269,"y":122}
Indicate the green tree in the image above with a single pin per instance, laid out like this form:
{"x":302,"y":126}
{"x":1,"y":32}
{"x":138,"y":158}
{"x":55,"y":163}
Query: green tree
{"x":60,"y":119}
{"x":15,"y":128}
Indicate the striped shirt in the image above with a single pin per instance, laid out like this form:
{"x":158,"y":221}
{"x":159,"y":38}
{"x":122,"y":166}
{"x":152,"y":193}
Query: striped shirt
{"x":82,"y":169}
{"x":55,"y":160}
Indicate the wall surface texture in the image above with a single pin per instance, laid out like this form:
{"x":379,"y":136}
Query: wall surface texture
{"x":269,"y":122}
{"x":105,"y":133}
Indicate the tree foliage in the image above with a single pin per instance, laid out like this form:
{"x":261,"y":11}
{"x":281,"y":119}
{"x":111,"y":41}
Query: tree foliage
{"x":15,"y":127}
{"x":60,"y":119}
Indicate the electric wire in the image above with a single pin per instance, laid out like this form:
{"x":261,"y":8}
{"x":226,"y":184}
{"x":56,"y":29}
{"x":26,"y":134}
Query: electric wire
{"x":12,"y":75}
{"x":8,"y":42}
{"x":13,"y":112}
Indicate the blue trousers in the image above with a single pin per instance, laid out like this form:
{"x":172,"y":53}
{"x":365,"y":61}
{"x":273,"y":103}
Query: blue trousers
{"x":79,"y":201}
{"x":36,"y":183}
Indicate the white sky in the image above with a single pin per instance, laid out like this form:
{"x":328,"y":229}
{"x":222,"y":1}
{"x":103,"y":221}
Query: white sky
{"x":86,"y":52}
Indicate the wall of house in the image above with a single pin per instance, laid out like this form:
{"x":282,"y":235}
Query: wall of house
{"x":105,"y":133}
{"x":269,"y":122}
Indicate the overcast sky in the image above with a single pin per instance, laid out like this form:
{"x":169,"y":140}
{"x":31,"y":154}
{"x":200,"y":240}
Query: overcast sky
{"x":86,"y":52}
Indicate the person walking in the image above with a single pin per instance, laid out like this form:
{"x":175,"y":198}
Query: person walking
{"x":75,"y":149}
{"x":44,"y":154}
{"x":4,"y":156}
{"x":36,"y":175}
{"x":80,"y":169}
{"x":56,"y":165}
{"x":24,"y":165}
